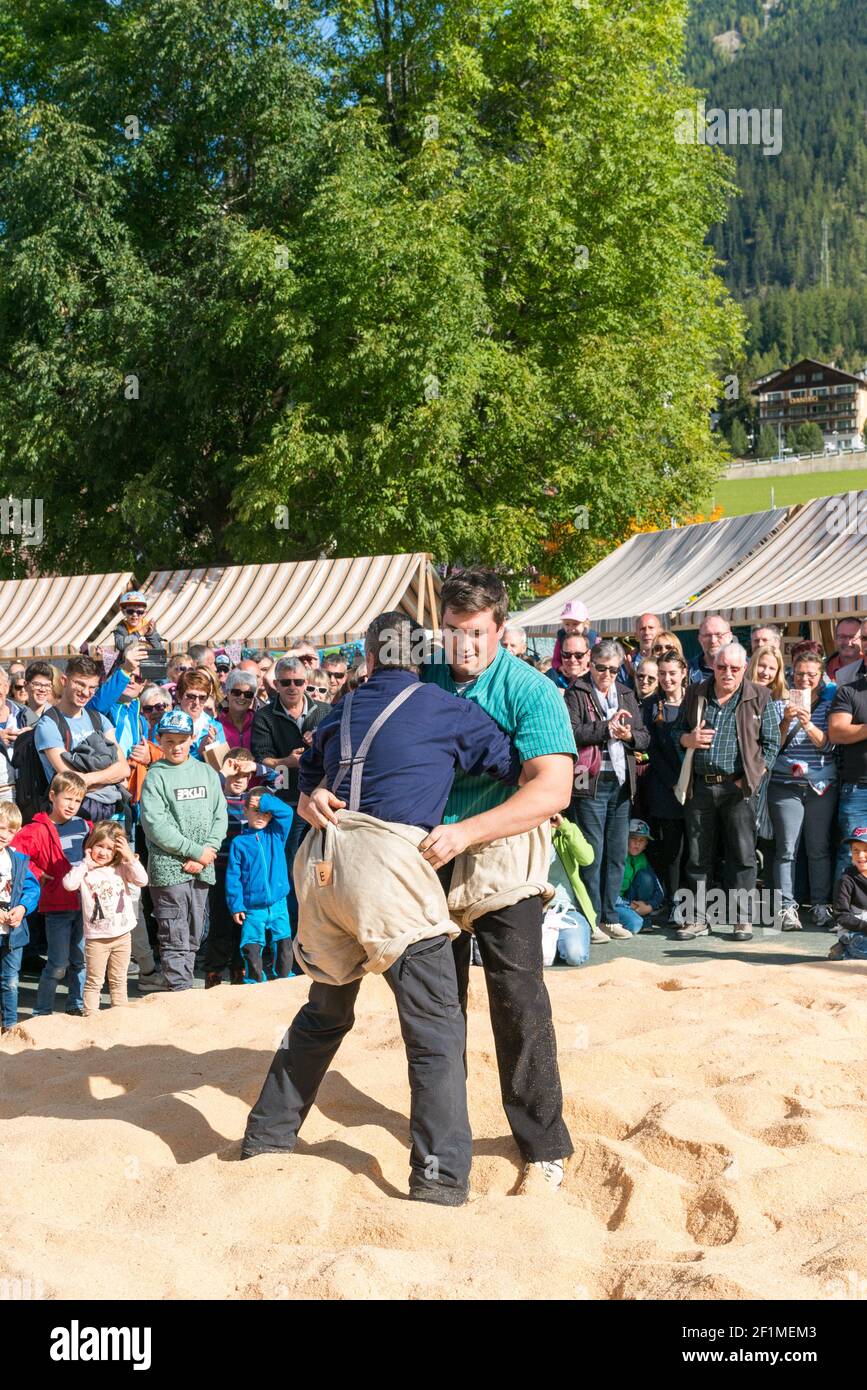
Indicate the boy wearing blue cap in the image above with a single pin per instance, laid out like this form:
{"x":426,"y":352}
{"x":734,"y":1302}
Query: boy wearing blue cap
{"x":257,"y":885}
{"x":184,"y":818}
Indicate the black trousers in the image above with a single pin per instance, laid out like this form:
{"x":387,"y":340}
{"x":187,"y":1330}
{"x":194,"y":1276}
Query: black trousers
{"x":665,"y":852}
{"x":719,"y":813}
{"x":425,"y":991}
{"x":223,"y":946}
{"x":510,"y":943}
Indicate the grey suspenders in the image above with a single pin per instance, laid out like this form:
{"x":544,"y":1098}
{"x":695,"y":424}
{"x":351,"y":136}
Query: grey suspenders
{"x":356,"y":763}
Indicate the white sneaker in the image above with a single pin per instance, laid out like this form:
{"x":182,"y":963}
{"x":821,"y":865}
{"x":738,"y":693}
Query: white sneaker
{"x":597,"y":936}
{"x":788,"y":919}
{"x":551,"y":1171}
{"x":619,"y":933}
{"x":149,"y":983}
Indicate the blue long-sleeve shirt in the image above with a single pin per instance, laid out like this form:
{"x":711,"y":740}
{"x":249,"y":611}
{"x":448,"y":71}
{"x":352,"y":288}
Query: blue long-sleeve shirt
{"x":256,"y":873}
{"x":109,"y":692}
{"x":413,"y":759}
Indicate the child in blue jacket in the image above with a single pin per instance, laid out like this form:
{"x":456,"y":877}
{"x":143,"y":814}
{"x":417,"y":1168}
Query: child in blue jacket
{"x":19,"y":895}
{"x":257,"y":883}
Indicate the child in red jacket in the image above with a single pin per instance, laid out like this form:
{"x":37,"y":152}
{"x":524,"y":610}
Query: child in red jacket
{"x":54,"y":841}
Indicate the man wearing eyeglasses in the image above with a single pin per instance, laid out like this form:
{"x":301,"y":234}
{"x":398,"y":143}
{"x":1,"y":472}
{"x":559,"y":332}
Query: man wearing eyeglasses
{"x":39,"y":685}
{"x":281,"y":731}
{"x":736,"y":742}
{"x":335,"y":669}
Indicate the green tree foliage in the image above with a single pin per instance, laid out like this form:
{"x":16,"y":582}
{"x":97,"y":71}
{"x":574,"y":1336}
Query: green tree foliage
{"x":737,"y":439}
{"x":806,"y":438}
{"x":811,"y":63}
{"x":419,"y":277}
{"x":767,"y":445}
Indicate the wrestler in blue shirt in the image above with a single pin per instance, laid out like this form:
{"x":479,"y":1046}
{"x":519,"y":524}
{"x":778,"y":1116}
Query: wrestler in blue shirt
{"x":412,"y":761}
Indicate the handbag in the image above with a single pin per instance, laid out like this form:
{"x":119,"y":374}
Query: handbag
{"x":589,"y":760}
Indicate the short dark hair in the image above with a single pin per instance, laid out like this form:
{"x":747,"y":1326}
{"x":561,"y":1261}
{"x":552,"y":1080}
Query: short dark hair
{"x":472,"y":591}
{"x":396,"y":641}
{"x":38,"y":668}
{"x":83,"y":666}
{"x":334,"y":659}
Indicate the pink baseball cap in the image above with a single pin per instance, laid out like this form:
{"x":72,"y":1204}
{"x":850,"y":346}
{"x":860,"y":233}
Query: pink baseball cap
{"x":575,"y":611}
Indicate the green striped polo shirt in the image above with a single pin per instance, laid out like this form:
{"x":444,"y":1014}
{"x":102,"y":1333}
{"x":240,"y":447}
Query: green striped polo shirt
{"x":525,"y":704}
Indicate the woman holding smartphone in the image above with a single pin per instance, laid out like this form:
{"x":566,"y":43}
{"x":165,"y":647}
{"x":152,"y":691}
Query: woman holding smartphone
{"x":609,"y":731}
{"x":802,"y":793}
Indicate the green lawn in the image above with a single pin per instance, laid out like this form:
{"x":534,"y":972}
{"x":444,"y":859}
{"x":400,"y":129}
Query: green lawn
{"x":736,"y":496}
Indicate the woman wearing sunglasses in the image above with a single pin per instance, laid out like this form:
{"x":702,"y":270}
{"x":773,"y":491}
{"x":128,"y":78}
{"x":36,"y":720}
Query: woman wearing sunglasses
{"x":236,"y":716}
{"x":609,"y":731}
{"x":195,"y":690}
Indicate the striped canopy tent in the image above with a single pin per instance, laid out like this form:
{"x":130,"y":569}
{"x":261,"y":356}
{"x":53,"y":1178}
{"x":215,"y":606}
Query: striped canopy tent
{"x":52,"y":617}
{"x":329,"y":601}
{"x":657,"y":572}
{"x":814,"y":569}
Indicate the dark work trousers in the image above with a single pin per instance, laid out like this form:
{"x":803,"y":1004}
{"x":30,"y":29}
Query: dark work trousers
{"x":223,"y":946}
{"x":282,"y":961}
{"x":666,"y":852}
{"x":510,"y":944}
{"x":141,"y":849}
{"x":719,"y":815}
{"x":426,"y":993}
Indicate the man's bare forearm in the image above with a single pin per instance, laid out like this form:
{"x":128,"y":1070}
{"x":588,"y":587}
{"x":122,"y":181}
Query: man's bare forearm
{"x":534,"y":802}
{"x":846,"y":733}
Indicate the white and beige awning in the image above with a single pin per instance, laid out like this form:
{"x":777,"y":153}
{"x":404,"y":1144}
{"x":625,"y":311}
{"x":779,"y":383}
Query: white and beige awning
{"x":657,"y":572}
{"x":815,"y":567}
{"x":54,"y":616}
{"x":266,"y":605}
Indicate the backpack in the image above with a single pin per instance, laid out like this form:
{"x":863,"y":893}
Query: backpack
{"x":31,"y":784}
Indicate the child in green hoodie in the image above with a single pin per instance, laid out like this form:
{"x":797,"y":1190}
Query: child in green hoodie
{"x":641,"y":891}
{"x":569,"y":916}
{"x":184,"y":818}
